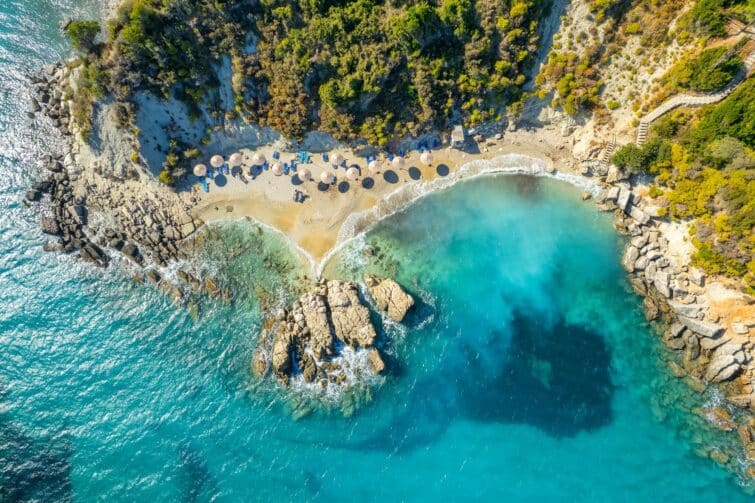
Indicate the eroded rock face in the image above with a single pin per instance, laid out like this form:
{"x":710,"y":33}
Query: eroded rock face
{"x":725,"y":362}
{"x":389,"y":297}
{"x":308,"y":339}
{"x":282,"y":351}
{"x":351,"y":320}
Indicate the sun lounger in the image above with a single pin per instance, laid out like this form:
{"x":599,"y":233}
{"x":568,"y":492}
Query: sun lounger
{"x":276,"y":155}
{"x":205,"y":185}
{"x":325,"y":158}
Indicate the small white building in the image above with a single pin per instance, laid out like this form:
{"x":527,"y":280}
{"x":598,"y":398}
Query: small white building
{"x":458,"y":137}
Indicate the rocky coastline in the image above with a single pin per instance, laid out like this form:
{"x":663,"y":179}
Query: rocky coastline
{"x":100,"y":214}
{"x":707,"y":351}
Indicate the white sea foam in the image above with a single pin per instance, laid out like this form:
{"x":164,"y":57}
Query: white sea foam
{"x":354,"y":366}
{"x":358,"y":224}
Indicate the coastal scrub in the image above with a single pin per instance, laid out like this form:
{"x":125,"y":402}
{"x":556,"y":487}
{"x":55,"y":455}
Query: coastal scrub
{"x":704,"y":167}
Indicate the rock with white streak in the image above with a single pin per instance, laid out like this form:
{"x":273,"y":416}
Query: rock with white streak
{"x":350,"y":319}
{"x":624,"y":199}
{"x":661,"y":283}
{"x":638,"y":215}
{"x":688,"y":310}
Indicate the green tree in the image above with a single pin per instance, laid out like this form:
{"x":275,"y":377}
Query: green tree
{"x":83,"y":34}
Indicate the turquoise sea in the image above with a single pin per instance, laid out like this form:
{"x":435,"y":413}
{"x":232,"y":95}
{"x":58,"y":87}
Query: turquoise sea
{"x":526,"y":372}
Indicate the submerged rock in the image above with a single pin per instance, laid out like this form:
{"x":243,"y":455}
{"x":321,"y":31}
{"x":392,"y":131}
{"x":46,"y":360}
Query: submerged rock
{"x":260,"y":364}
{"x":389,"y":297}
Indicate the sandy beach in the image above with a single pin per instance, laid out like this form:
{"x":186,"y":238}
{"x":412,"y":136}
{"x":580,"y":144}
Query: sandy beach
{"x":316,"y":224}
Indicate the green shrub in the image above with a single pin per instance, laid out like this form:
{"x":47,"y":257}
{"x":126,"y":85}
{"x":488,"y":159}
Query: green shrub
{"x":165,"y":177}
{"x":83,"y":34}
{"x":709,"y":71}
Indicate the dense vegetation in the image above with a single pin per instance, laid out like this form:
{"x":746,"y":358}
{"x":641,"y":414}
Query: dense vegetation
{"x":371,"y":68}
{"x":708,"y":71}
{"x":575,"y":78}
{"x":83,"y":34}
{"x":709,"y":17}
{"x":704,"y":167}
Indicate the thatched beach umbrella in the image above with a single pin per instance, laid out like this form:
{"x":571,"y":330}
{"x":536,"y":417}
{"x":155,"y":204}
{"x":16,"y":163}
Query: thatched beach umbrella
{"x":216,"y":161}
{"x":200,"y":170}
{"x":426,"y":158}
{"x":304,"y":174}
{"x":327,"y":177}
{"x":374,"y":166}
{"x":235,"y":160}
{"x":258,"y":159}
{"x":398,"y":162}
{"x":337,"y":159}
{"x":277,"y":169}
{"x":352,"y":173}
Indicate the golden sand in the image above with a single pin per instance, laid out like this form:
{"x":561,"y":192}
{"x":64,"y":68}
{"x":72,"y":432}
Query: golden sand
{"x":315,"y":224}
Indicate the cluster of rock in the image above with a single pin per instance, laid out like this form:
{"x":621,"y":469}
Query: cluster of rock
{"x":68,"y":215}
{"x":709,"y":353}
{"x":308,"y":338}
{"x":49,"y":98}
{"x":97,"y":214}
{"x":718,"y":354}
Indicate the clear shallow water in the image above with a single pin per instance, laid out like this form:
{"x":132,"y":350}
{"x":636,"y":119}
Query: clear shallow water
{"x":525,"y":372}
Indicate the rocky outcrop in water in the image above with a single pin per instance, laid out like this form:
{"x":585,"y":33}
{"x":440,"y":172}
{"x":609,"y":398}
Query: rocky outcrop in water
{"x":309,"y":339}
{"x":389,"y":297}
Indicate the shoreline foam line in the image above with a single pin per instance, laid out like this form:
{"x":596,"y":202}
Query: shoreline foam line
{"x":358,"y":224}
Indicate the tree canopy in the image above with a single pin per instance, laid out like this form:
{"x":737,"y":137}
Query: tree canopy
{"x":83,"y":34}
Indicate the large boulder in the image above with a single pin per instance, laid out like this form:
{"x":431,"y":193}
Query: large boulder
{"x":281,"y":360}
{"x":630,"y":256}
{"x":389,"y":297}
{"x":315,"y":312}
{"x":704,"y":328}
{"x":350,"y":319}
{"x":725,"y":362}
{"x":376,"y":361}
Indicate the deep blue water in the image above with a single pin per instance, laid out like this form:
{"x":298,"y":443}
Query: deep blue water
{"x":525,"y":372}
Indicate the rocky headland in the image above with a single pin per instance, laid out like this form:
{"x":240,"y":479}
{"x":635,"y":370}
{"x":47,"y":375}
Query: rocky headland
{"x":100,"y":212}
{"x":708,"y":349}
